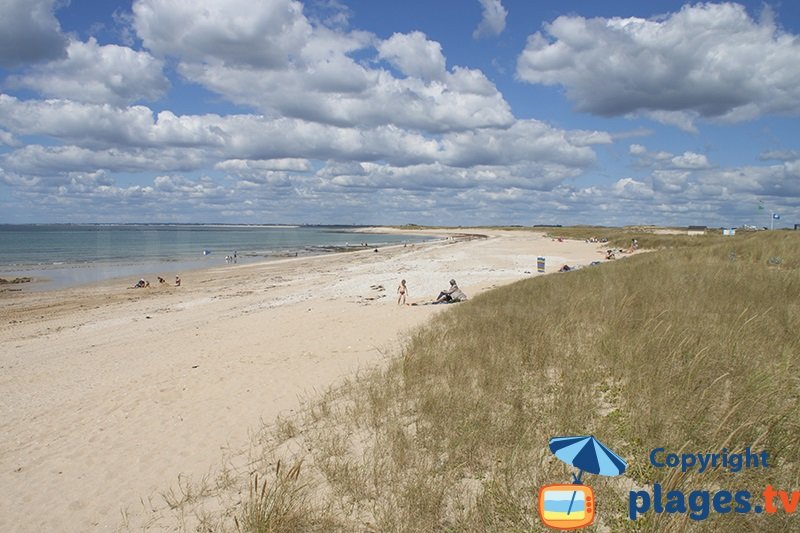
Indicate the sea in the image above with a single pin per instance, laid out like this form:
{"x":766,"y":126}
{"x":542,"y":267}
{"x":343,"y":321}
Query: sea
{"x":64,"y":255}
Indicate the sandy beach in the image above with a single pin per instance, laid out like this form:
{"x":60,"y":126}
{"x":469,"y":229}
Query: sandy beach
{"x":108,"y":394}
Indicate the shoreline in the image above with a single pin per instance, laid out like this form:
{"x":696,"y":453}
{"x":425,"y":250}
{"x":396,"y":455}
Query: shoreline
{"x":67,"y":275}
{"x":109,"y":395}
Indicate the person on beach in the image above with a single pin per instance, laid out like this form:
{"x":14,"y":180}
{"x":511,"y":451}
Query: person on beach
{"x":402,"y":290}
{"x":177,"y":281}
{"x":451,"y":295}
{"x":161,"y":280}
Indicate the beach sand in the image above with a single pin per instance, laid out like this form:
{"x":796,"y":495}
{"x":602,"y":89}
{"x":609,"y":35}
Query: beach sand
{"x":108,"y":394}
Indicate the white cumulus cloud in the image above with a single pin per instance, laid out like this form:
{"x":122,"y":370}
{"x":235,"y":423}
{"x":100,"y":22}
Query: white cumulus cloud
{"x":269,"y":57}
{"x":690,"y":161}
{"x":414,"y":55}
{"x":493,"y":21}
{"x":29,"y":32}
{"x":101,"y":74}
{"x":712,"y":61}
{"x":632,"y":189}
{"x":263,"y":34}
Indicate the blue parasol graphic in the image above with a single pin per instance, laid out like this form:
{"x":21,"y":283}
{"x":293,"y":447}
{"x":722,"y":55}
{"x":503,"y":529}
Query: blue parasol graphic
{"x":588,"y":455}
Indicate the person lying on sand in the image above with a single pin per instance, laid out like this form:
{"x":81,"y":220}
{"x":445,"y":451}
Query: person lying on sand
{"x":451,"y":295}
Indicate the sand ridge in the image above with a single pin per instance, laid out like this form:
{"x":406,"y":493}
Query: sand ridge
{"x":108,"y":394}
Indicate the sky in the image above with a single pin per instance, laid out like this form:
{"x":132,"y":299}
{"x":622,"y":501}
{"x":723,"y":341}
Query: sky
{"x":453,"y":112}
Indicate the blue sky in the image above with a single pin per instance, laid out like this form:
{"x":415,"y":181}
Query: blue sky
{"x":451,"y":112}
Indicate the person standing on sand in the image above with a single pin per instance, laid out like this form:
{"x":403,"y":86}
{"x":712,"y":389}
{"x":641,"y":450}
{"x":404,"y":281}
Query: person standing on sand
{"x":402,"y":290}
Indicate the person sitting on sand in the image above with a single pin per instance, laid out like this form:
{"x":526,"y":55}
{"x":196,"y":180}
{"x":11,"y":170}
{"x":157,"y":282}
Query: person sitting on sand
{"x":565,"y":268}
{"x":402,"y":290}
{"x":177,"y":281}
{"x":610,"y":254}
{"x":141,"y":284}
{"x":451,"y":295}
{"x":161,"y":280}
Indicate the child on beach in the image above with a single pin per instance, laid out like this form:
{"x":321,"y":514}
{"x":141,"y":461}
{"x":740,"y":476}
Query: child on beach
{"x":402,"y":290}
{"x":177,"y":281}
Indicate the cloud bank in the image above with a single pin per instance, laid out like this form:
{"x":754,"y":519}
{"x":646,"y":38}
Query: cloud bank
{"x":315,"y":120}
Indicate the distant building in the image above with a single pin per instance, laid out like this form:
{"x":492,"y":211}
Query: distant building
{"x":697,"y":230}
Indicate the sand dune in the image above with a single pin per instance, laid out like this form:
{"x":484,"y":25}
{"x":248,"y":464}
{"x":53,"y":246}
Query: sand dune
{"x":107,"y":394}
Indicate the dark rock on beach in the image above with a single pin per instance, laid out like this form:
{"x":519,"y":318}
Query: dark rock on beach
{"x":14,"y":281}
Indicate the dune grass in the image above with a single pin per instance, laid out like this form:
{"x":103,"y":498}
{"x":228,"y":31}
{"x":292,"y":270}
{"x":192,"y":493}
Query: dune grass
{"x":693,"y":348}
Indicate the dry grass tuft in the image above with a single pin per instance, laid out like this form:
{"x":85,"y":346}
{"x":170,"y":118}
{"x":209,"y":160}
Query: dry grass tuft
{"x":277,"y":505}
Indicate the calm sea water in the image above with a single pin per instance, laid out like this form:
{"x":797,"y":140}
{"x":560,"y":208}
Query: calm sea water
{"x":65,"y":255}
